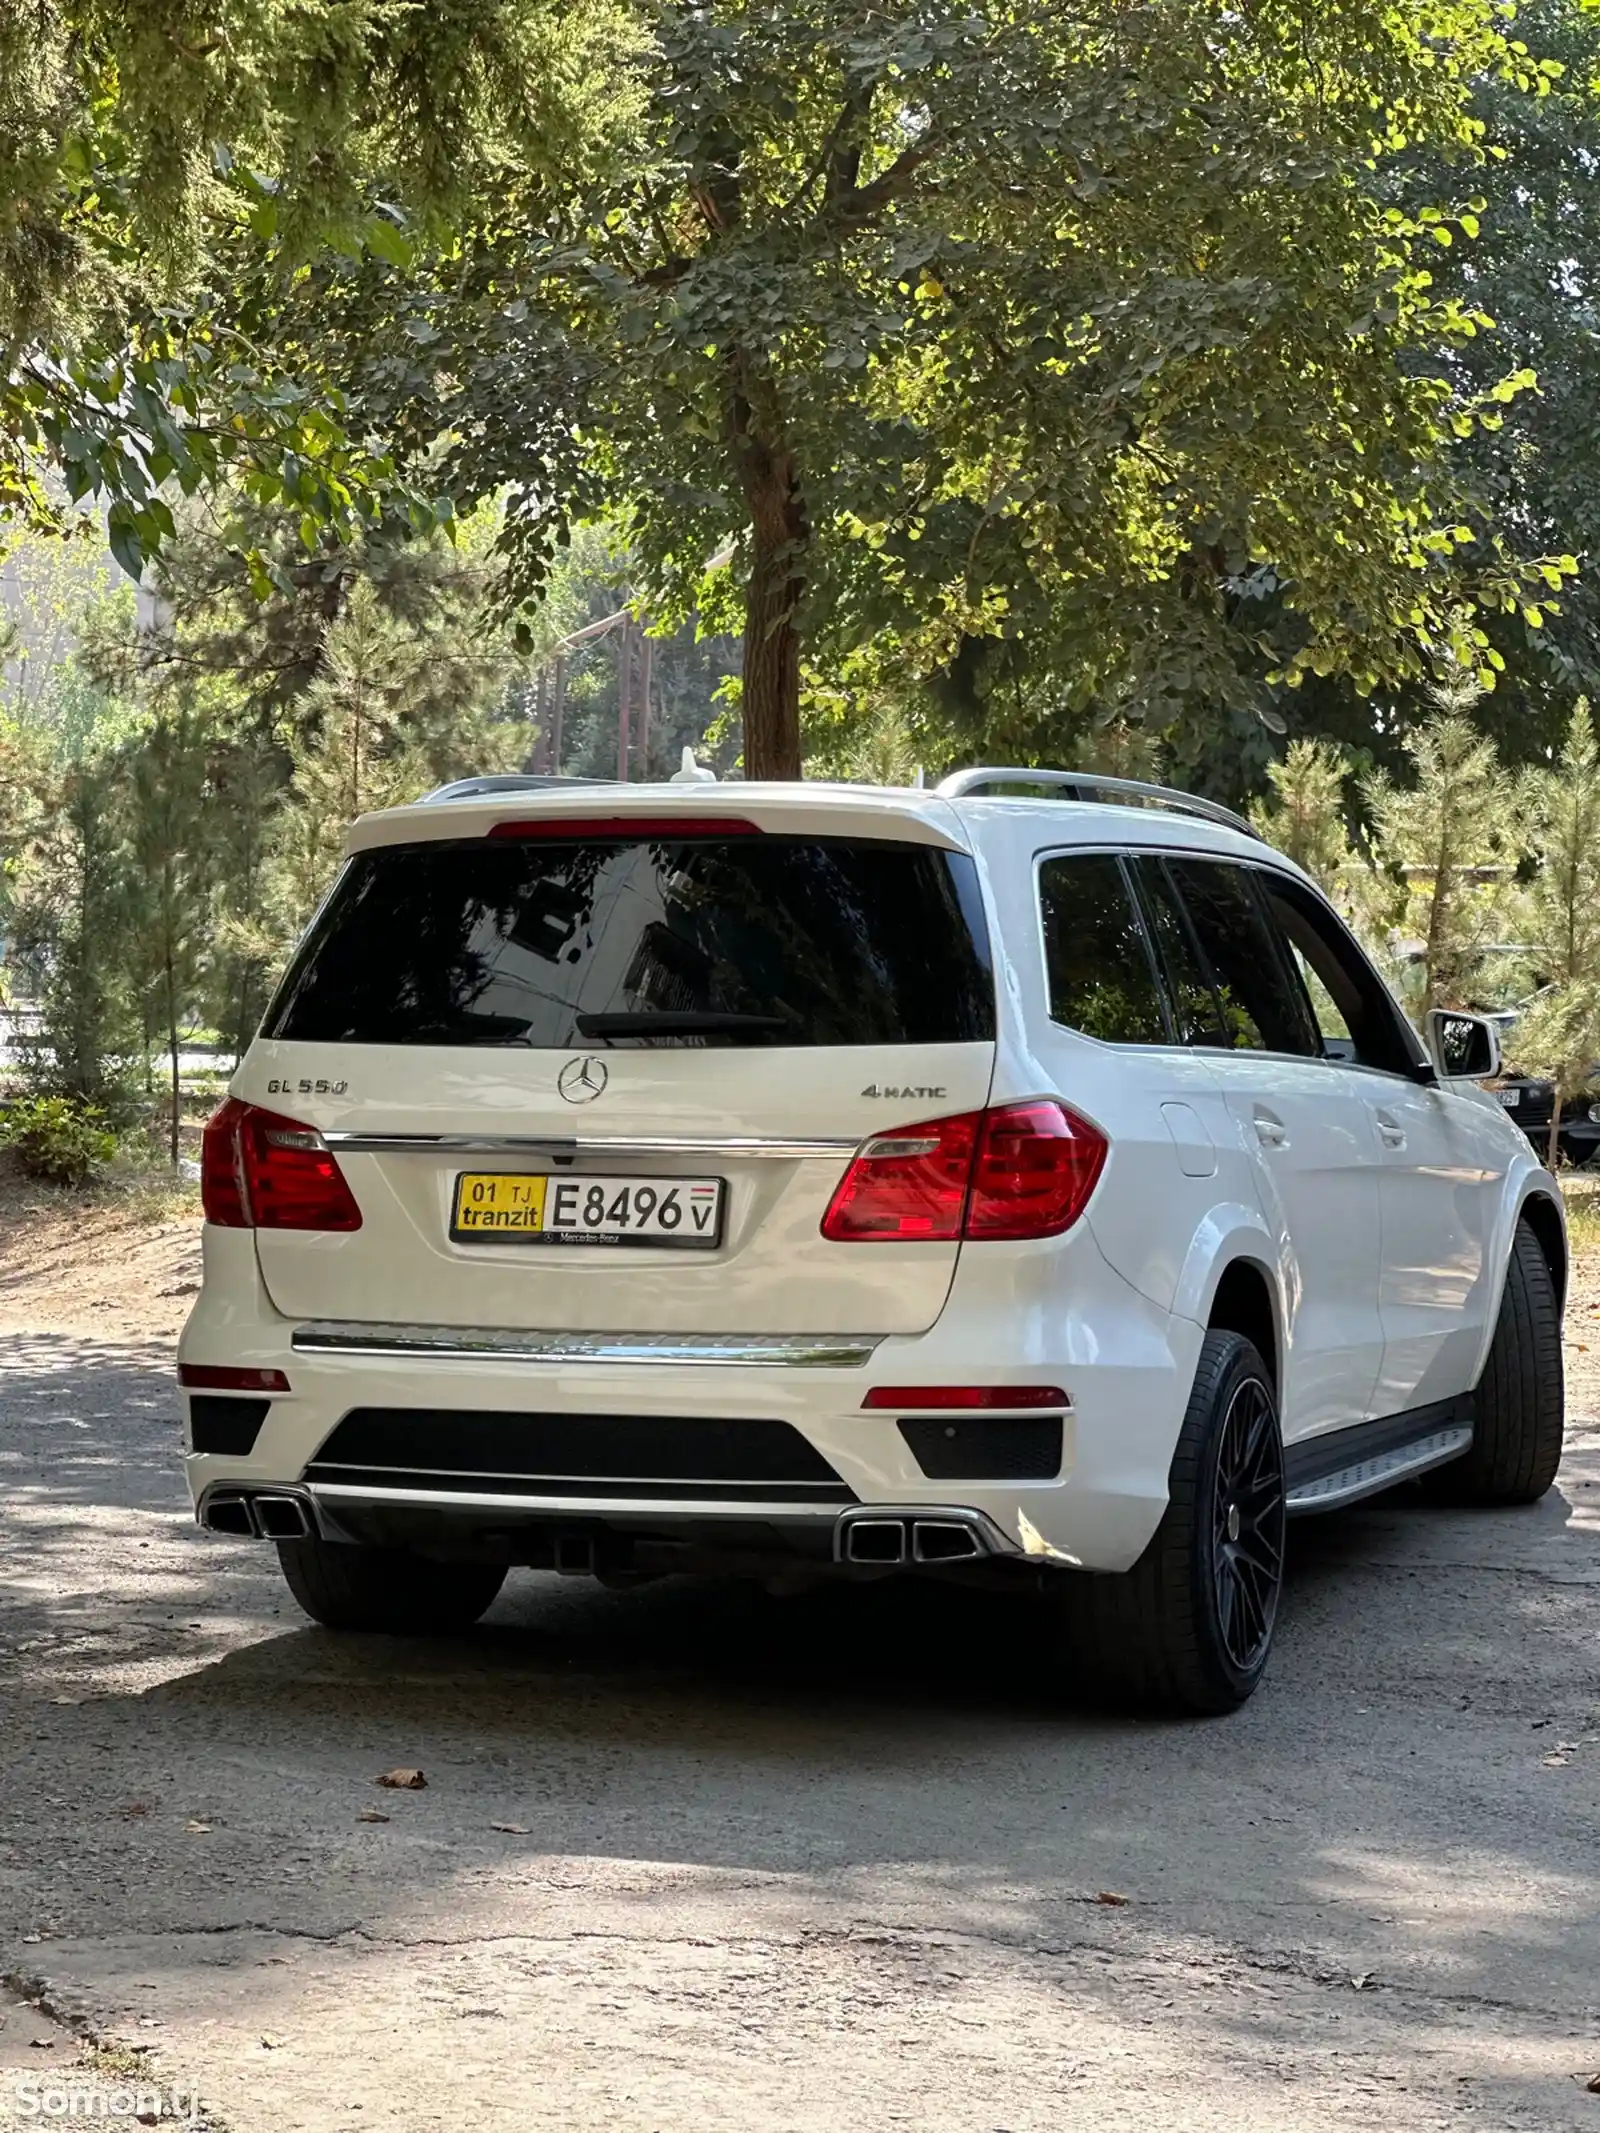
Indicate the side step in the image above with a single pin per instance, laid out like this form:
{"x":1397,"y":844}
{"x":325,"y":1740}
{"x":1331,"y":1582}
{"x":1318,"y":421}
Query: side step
{"x":1378,"y":1471}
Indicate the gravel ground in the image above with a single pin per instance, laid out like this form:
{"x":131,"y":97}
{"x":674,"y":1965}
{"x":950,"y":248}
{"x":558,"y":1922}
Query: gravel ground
{"x":692,"y":1858}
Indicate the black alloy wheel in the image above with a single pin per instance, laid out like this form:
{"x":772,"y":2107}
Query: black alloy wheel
{"x":1247,"y":1525}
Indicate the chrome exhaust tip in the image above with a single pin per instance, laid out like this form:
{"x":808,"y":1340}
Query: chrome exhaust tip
{"x":281,"y":1518}
{"x":944,"y":1540}
{"x":875,"y":1540}
{"x":225,"y":1512}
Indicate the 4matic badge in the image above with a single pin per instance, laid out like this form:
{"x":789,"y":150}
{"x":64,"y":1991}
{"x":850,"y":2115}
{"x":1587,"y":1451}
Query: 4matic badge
{"x":872,"y":1089}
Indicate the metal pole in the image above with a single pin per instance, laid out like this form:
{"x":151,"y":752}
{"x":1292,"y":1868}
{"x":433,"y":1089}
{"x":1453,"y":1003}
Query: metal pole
{"x":647,"y":655}
{"x":559,"y":692}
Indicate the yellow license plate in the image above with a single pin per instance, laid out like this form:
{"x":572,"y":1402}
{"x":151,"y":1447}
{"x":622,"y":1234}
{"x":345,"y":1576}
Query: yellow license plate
{"x":576,"y":1208}
{"x":497,"y":1204}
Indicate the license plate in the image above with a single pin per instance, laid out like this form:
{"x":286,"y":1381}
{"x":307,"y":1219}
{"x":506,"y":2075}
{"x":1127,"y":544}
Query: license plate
{"x":1509,"y":1097}
{"x":514,"y":1207}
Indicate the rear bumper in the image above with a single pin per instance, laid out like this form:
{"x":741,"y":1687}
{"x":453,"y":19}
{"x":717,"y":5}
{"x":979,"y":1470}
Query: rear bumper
{"x":1017,"y":1314}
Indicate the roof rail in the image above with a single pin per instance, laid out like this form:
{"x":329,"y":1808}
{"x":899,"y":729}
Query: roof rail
{"x":505,"y":781}
{"x":1090,"y":785}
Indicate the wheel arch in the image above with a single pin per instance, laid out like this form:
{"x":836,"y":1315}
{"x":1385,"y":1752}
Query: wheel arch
{"x":1245,"y":1301}
{"x":1543,"y":1215}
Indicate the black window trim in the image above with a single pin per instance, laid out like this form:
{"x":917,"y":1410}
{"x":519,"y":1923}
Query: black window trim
{"x":1422,"y":1070}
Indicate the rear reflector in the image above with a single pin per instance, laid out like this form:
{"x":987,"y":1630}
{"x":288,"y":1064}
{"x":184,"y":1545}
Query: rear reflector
{"x":229,"y":1377}
{"x":1017,"y":1171}
{"x":905,"y":1398}
{"x":260,"y":1171}
{"x":588,"y":829}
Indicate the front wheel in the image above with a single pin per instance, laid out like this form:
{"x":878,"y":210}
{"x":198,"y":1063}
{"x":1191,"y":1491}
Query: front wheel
{"x":390,"y":1589}
{"x":1189,"y":1627}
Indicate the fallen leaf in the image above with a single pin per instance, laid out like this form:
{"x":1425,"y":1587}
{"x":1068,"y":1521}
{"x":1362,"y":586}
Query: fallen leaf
{"x":66,"y":1699}
{"x":511,"y":1829}
{"x":1361,"y":1979}
{"x":1593,"y":2084}
{"x":372,"y":1814}
{"x":1555,"y":1762}
{"x":198,"y":1829}
{"x":136,"y":1807}
{"x":402,"y":1780}
{"x":271,"y":2044}
{"x":44,"y":2044}
{"x":32,"y":1940}
{"x":1110,"y":1896}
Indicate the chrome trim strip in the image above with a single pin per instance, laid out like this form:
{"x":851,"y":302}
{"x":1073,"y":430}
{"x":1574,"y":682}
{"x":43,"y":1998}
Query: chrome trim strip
{"x":599,"y":1144}
{"x":1367,"y":1476}
{"x":334,"y":1492}
{"x":809,"y":1351}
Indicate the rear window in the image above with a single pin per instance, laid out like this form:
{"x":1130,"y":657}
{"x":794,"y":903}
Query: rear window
{"x":742,"y":941}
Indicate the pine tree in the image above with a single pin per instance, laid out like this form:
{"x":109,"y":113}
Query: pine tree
{"x":1559,"y":1034}
{"x":1305,"y":816}
{"x":1451,"y":837}
{"x":168,"y":804}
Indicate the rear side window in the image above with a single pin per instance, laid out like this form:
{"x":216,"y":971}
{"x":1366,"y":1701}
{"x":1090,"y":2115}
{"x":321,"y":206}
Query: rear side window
{"x":1194,"y":1004}
{"x":729,"y":941}
{"x":1263,"y":1004}
{"x":1097,"y":959}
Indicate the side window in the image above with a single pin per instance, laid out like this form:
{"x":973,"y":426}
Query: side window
{"x":1194,"y":1004}
{"x":1359,"y":1020}
{"x":1264,"y":1006}
{"x":1097,"y":960}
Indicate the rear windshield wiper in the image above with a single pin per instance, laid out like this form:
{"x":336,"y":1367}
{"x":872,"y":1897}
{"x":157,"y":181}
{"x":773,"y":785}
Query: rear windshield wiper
{"x":667,"y":1023}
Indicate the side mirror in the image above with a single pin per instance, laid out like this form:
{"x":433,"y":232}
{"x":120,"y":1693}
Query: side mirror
{"x":1463,"y":1047}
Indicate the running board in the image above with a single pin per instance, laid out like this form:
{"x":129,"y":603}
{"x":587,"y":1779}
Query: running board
{"x":1382,"y":1470}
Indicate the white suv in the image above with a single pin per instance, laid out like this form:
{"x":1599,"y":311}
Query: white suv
{"x":790,"y":1179}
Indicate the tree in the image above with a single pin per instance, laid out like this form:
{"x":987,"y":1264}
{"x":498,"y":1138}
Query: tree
{"x":1305,"y":817}
{"x":136,"y":143}
{"x":1452,"y":838}
{"x":1024,"y":345}
{"x":173,"y":871}
{"x":1559,"y":1033}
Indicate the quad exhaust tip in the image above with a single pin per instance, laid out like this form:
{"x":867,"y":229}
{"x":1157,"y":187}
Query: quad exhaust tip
{"x":890,"y":1540}
{"x":261,"y":1515}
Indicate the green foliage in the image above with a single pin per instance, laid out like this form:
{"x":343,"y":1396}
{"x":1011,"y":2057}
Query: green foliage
{"x":1558,"y":1034}
{"x":1306,"y":815}
{"x":1037,"y":353}
{"x":1452,"y":839}
{"x":140,"y":144}
{"x":58,"y":1138}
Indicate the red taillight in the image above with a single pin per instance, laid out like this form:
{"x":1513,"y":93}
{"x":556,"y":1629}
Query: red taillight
{"x":945,"y":1397}
{"x":611,"y":829}
{"x":230,"y":1377}
{"x":260,"y":1171}
{"x":1037,"y":1165}
{"x":911,"y":1183}
{"x":1020,"y":1170}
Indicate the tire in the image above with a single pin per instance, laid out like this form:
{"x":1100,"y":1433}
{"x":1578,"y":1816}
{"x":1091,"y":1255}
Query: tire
{"x":1189,"y":1628}
{"x":386,"y":1588}
{"x":1518,"y":1403}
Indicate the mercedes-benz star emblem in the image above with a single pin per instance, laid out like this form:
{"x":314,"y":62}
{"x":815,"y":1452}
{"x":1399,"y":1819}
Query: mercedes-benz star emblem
{"x":582,"y":1080}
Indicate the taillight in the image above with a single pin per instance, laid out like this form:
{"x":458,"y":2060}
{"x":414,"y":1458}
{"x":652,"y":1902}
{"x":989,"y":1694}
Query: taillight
{"x":260,"y":1171}
{"x":1037,"y":1165}
{"x":230,"y":1377}
{"x":1019,"y":1170}
{"x":911,"y":1183}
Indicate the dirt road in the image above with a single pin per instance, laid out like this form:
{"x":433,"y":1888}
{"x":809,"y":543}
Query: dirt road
{"x":689,"y":1858}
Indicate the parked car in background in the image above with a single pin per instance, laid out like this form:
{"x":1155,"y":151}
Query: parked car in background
{"x":1529,"y":1100}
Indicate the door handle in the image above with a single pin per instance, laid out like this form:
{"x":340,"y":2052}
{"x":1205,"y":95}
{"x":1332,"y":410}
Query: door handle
{"x":1390,"y":1131}
{"x":1271,"y":1132}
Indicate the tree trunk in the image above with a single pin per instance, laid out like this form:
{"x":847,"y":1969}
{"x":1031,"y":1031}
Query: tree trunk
{"x":172,"y":1053}
{"x":780,"y":539}
{"x":1553,"y":1153}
